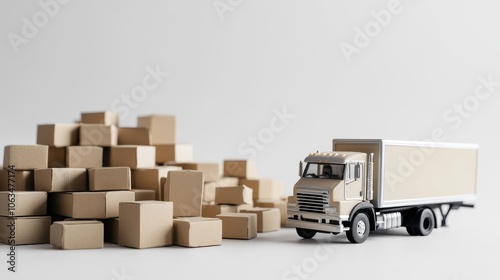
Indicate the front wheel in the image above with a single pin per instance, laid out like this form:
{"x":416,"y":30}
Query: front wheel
{"x":306,"y":233}
{"x":360,"y":229}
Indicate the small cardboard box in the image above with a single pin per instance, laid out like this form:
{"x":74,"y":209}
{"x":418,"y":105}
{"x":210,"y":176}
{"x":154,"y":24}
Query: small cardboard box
{"x":98,"y":135}
{"x":104,"y":118}
{"x":26,"y":157}
{"x":211,"y":211}
{"x":134,"y":136}
{"x":71,"y":235}
{"x":24,"y":230}
{"x":273,"y":203}
{"x":89,"y":205}
{"x":234,"y":195}
{"x":161,"y":127}
{"x":19,"y":204}
{"x":264,"y":188}
{"x":268,"y":219}
{"x":150,"y":178}
{"x":134,"y":157}
{"x":211,"y":171}
{"x":22,"y":180}
{"x":111,"y":230}
{"x":84,"y":156}
{"x":56,"y":157}
{"x":146,"y":224}
{"x":109,"y":179}
{"x":240,"y":168}
{"x":209,"y":190}
{"x":61,"y":179}
{"x":142,"y":195}
{"x":197,"y":232}
{"x":239,"y":225}
{"x":184,"y":188}
{"x":180,"y":152}
{"x":58,"y":135}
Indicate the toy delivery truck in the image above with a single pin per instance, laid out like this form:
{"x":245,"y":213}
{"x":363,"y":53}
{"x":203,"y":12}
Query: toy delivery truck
{"x":367,"y":185}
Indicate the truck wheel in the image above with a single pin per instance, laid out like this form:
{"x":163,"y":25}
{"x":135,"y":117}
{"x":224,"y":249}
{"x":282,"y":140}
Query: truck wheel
{"x":411,"y":231}
{"x":306,"y":233}
{"x":360,"y":229}
{"x":425,"y":222}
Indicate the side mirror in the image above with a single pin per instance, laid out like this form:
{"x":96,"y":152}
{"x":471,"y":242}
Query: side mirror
{"x":357,"y":172}
{"x":301,"y":169}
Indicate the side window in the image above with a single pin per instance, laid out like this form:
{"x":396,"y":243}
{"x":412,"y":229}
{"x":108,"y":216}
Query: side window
{"x":353,"y":171}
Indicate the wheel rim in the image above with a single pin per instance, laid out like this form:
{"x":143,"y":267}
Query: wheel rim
{"x":361,"y":228}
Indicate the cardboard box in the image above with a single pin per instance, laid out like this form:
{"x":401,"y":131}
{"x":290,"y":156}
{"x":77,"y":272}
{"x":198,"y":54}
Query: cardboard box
{"x":180,"y":152}
{"x":211,"y":211}
{"x":26,"y":157}
{"x":240,"y":168}
{"x":88,"y":205}
{"x":22,"y":180}
{"x":98,"y":135}
{"x":71,"y":235}
{"x":211,"y":171}
{"x":111,"y":230}
{"x":58,"y":135}
{"x":146,"y":224}
{"x":26,"y":230}
{"x":280,"y":204}
{"x":150,"y":178}
{"x":268,"y":219}
{"x":197,"y":232}
{"x":104,"y":118}
{"x":84,"y":156}
{"x":239,"y":225}
{"x":19,"y":204}
{"x":61,"y":179}
{"x":209,"y":190}
{"x":234,"y":195}
{"x":184,"y":188}
{"x":56,"y":157}
{"x":134,"y":136}
{"x":264,"y":188}
{"x":142,"y":195}
{"x":134,"y":157}
{"x":109,"y":179}
{"x":161,"y":127}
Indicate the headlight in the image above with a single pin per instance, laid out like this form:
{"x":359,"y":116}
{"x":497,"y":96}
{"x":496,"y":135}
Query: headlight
{"x":331,"y":210}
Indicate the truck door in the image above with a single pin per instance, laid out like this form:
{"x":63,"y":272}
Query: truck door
{"x":354,"y":181}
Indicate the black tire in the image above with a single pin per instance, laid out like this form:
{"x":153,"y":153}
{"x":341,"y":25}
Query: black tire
{"x":411,"y":231}
{"x":306,"y":233}
{"x":360,"y":228}
{"x":425,"y":222}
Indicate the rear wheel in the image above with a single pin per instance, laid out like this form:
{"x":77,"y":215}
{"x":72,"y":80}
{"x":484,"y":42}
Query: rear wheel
{"x":360,"y":229}
{"x":425,"y":222}
{"x":306,"y":233}
{"x":411,"y":231}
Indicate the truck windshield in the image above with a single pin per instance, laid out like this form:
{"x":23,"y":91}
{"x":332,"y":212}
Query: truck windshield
{"x":324,"y":171}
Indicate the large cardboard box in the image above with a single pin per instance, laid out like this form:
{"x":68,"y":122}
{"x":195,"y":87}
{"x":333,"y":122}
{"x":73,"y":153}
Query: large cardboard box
{"x":273,"y":203}
{"x":19,"y":204}
{"x":134,"y":136}
{"x":22,"y":180}
{"x":197,"y":232}
{"x":111,"y":230}
{"x":268,"y":219}
{"x":61,"y":179}
{"x":26,"y":157}
{"x":161,"y":127}
{"x":98,"y":135}
{"x":146,"y":224}
{"x":133,"y":156}
{"x":180,"y":152}
{"x":109,"y":179}
{"x":211,"y":211}
{"x":104,"y":118}
{"x":89,"y":205}
{"x":56,"y":157}
{"x":150,"y":178}
{"x":142,"y":195}
{"x":240,"y":168}
{"x":238,"y":225}
{"x":24,"y":230}
{"x":84,"y":156}
{"x":184,"y":188}
{"x":209,"y":190}
{"x":264,"y":188}
{"x":58,"y":135}
{"x":234,"y":195}
{"x":70,"y":235}
{"x":211,"y":171}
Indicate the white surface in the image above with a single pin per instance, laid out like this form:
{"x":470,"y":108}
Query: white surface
{"x":225,"y":79}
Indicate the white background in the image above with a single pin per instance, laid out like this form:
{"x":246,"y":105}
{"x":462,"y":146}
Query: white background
{"x":228,"y":74}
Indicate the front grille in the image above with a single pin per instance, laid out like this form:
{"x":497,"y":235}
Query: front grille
{"x":312,"y":201}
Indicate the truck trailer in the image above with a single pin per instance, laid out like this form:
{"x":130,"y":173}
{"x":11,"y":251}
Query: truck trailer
{"x":365,"y":185}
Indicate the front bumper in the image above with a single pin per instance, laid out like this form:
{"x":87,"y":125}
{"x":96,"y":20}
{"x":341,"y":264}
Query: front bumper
{"x":318,"y":222}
